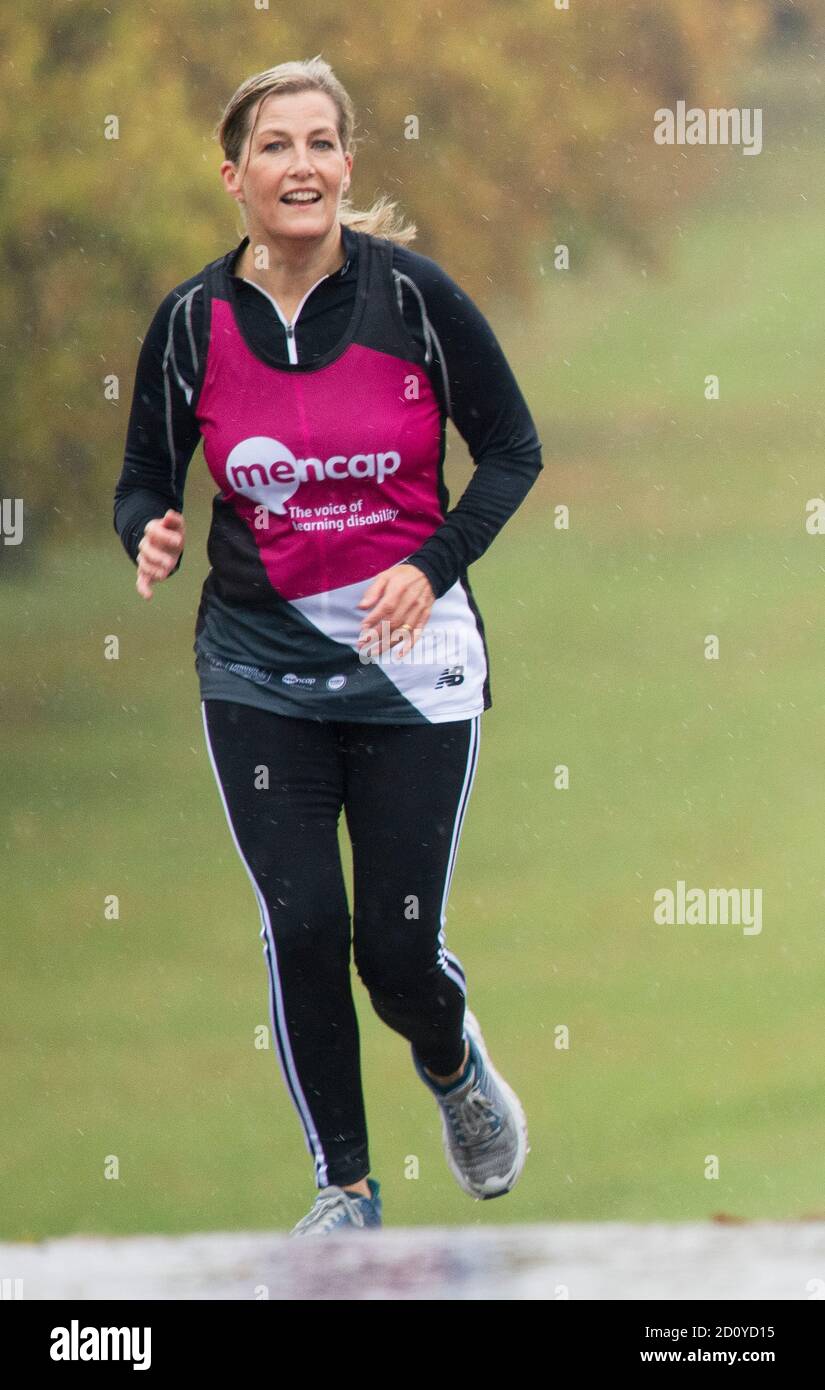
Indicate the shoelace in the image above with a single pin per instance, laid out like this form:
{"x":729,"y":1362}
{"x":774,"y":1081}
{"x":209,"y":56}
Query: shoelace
{"x":326,"y":1209}
{"x":472,"y":1116}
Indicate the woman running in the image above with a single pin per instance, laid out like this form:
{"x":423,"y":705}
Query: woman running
{"x":341,"y":657}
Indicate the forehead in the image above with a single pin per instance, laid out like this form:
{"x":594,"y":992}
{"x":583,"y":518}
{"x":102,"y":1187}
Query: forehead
{"x":291,"y":110}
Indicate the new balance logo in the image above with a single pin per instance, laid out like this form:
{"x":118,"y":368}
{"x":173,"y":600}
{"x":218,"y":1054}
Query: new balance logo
{"x":451,"y":675}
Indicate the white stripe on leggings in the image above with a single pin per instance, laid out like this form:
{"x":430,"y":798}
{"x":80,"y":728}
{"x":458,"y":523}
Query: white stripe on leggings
{"x":450,"y":963}
{"x":279,"y":1029}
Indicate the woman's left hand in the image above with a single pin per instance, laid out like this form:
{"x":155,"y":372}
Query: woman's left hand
{"x":401,"y":594}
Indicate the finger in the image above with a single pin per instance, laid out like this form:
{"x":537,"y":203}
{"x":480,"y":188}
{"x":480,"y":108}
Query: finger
{"x":157,"y":555}
{"x":373,"y":591}
{"x":402,"y":640}
{"x":151,"y":571}
{"x":165,"y":543}
{"x":154,"y":573}
{"x":386,"y":606}
{"x":169,"y":540}
{"x":375,"y":639}
{"x":416,"y":628}
{"x":368,"y":646}
{"x":383,"y":624}
{"x":406,"y":595}
{"x":402,"y":644}
{"x":412,"y":625}
{"x":391,"y":637}
{"x":412,"y":613}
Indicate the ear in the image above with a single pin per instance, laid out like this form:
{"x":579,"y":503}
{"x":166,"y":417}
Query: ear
{"x":229,"y":174}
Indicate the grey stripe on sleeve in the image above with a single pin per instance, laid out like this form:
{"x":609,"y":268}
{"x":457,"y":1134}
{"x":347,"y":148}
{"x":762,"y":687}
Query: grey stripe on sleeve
{"x":169,"y":357}
{"x":430,"y":335}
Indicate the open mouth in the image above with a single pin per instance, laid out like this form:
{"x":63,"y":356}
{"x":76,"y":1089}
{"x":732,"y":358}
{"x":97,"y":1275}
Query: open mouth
{"x":300,"y":202}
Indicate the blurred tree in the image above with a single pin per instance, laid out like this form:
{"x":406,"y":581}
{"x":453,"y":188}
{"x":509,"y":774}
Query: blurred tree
{"x":535,"y":127}
{"x":794,"y":18}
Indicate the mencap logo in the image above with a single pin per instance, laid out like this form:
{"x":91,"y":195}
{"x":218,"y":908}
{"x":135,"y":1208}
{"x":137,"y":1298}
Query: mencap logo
{"x":266,"y":471}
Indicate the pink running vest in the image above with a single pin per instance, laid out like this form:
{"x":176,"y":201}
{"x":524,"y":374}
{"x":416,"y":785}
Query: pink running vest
{"x":328,"y":473}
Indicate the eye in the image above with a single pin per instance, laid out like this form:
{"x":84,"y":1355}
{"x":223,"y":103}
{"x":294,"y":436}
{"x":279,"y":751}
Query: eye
{"x":273,"y":143}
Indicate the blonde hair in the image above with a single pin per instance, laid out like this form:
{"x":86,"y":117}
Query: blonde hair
{"x":308,"y":75}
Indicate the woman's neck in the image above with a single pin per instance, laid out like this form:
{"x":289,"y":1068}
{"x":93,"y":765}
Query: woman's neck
{"x":288,"y":277}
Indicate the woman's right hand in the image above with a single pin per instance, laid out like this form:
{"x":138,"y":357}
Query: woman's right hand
{"x":161,"y":544}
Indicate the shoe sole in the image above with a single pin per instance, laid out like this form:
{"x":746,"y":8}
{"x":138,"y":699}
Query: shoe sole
{"x":343,"y":1230}
{"x":495,"y":1186}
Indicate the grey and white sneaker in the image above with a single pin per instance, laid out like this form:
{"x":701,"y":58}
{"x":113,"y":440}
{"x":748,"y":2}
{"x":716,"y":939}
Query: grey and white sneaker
{"x":337,"y":1210}
{"x":483,"y":1123}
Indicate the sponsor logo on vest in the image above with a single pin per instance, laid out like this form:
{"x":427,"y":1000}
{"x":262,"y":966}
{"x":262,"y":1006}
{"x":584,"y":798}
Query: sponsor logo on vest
{"x":238,"y":668}
{"x":291,"y":679}
{"x":336,"y":682}
{"x":266,"y":471}
{"x":451,"y":675}
{"x":252,"y":673}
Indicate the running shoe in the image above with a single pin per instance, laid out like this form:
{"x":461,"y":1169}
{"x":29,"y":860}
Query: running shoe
{"x":335,"y":1209}
{"x":483,"y":1124}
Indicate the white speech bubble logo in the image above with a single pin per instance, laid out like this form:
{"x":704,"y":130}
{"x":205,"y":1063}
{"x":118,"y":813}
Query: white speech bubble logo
{"x":265,"y":470}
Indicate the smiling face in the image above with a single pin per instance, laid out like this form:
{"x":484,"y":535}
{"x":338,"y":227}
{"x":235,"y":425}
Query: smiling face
{"x":295,"y":146}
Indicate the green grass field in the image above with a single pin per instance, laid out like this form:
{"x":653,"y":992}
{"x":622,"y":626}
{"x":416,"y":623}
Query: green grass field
{"x":135,"y":1037}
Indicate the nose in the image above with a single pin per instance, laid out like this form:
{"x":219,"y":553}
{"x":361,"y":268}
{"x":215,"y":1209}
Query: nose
{"x":301,"y":159}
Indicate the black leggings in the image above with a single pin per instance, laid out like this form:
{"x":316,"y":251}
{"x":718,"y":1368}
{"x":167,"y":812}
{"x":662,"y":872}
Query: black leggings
{"x":404,"y":790}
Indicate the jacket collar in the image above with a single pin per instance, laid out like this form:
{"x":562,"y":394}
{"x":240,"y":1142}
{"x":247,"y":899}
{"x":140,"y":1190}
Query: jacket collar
{"x":349,"y":268}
